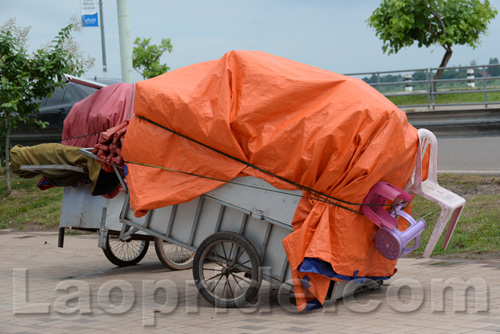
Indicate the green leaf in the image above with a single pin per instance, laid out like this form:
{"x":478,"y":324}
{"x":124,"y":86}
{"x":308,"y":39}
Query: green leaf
{"x":35,"y":76}
{"x":146,"y":57}
{"x":400,"y":23}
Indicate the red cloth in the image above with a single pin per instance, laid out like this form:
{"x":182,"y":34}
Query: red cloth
{"x":108,"y":149}
{"x":108,"y":107}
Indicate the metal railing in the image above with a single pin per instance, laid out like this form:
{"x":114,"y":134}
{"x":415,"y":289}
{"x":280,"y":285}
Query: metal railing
{"x":426,"y":92}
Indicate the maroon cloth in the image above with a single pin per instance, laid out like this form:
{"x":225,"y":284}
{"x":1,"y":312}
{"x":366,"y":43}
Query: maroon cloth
{"x":108,"y":149}
{"x":108,"y":107}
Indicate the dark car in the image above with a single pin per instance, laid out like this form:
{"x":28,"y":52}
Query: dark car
{"x":54,"y":110}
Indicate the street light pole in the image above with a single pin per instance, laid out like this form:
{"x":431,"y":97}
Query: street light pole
{"x":125,"y":43}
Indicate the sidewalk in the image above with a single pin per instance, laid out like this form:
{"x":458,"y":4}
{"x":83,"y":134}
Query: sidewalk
{"x":75,"y":289}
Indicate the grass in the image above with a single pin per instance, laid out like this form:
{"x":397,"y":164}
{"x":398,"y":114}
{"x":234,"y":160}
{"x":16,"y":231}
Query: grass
{"x":477,"y":232}
{"x":29,"y":207}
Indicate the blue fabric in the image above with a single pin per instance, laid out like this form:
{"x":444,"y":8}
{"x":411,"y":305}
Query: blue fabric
{"x":306,"y":281}
{"x":313,"y":265}
{"x":44,"y":184}
{"x":313,"y":305}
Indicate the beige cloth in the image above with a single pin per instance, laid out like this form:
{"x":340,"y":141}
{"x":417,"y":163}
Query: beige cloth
{"x":58,"y":154}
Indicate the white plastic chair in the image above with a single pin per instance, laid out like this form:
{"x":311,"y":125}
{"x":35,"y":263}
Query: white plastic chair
{"x":451,"y":204}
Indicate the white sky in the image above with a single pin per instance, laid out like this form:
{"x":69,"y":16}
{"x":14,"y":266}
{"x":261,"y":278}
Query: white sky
{"x":330,"y":34}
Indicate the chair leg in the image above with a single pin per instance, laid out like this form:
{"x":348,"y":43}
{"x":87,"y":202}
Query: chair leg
{"x":437,"y":231}
{"x":451,"y":226}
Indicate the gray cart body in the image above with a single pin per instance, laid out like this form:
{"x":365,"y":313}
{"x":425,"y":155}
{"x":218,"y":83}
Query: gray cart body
{"x":81,"y":210}
{"x":248,"y":206}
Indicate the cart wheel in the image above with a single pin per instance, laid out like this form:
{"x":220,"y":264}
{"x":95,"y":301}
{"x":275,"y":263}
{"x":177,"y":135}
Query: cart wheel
{"x":125,"y":253}
{"x":172,"y":256}
{"x":227,"y":270}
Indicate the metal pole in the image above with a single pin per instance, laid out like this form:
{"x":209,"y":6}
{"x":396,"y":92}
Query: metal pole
{"x":428,"y":89}
{"x":103,"y":42}
{"x":125,"y":43}
{"x":485,"y":88}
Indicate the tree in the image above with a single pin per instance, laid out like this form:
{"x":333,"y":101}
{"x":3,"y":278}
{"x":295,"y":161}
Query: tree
{"x":401,"y":23}
{"x":25,"y":78}
{"x":146,"y":58}
{"x":494,"y":71}
{"x":21,"y":33}
{"x":81,"y":62}
{"x":69,"y":45}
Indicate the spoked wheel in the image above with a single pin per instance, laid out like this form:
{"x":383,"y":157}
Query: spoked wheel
{"x":227,"y":270}
{"x":125,"y":253}
{"x":172,"y":256}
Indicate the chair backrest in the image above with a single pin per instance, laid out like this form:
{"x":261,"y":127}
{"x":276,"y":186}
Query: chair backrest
{"x":426,"y":139}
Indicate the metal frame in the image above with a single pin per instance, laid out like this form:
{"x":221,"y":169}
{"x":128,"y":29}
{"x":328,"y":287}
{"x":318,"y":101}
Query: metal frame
{"x":247,"y":225}
{"x":130,"y":227}
{"x":429,"y":83}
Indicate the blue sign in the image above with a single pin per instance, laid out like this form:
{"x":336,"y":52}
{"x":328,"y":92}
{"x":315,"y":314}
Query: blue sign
{"x":90,"y":20}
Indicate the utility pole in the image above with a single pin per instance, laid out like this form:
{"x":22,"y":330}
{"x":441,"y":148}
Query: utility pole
{"x":125,"y":42}
{"x":103,"y":42}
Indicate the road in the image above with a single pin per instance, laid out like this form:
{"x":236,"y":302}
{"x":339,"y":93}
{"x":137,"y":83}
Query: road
{"x":478,"y":155}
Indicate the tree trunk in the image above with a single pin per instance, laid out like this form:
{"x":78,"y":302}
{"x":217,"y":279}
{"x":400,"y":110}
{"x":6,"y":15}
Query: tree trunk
{"x":7,"y":161}
{"x":444,"y":62}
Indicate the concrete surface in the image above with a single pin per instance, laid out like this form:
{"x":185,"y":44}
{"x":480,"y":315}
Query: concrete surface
{"x":477,"y":155}
{"x":45,"y":289}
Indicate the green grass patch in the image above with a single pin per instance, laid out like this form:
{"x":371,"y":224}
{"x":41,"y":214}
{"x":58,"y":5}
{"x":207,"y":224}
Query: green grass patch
{"x":478,"y":230}
{"x":28,"y":207}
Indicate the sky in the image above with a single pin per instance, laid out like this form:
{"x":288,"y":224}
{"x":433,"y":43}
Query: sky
{"x":329,"y":34}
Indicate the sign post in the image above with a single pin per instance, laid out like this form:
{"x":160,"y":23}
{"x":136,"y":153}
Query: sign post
{"x":90,"y":18}
{"x":89,"y":13}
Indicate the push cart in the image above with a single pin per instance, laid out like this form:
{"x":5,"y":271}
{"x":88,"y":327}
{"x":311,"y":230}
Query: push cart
{"x":235,"y":232}
{"x":82,"y":211}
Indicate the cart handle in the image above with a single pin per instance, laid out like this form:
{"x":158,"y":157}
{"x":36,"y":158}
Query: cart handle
{"x":38,"y":168}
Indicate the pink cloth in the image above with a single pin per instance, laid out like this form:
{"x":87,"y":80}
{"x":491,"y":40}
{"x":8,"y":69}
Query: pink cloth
{"x":106,"y":108}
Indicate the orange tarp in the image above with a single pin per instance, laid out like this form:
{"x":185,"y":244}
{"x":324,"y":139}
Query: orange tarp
{"x":332,"y":133}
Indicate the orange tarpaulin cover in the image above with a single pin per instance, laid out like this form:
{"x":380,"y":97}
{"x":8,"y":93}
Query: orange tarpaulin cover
{"x":332,"y":133}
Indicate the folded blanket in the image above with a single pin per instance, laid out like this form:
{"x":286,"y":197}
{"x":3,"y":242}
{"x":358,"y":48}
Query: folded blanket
{"x":58,"y":154}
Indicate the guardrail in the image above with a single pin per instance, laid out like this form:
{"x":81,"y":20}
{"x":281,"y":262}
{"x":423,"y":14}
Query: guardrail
{"x":458,"y":123}
{"x":419,"y":85}
{"x":472,"y":121}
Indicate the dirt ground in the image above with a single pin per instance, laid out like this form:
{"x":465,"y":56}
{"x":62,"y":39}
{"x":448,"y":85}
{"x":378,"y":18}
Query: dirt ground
{"x":469,"y":186}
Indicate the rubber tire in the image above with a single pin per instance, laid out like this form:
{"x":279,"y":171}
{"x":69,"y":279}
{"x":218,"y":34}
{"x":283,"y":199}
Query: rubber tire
{"x":171,"y":263}
{"x":116,"y":259}
{"x":253,"y":257}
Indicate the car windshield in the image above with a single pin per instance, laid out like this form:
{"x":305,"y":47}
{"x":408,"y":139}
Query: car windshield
{"x":88,"y":90}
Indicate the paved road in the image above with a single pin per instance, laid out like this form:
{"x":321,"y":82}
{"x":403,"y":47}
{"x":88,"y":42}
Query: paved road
{"x":475,"y":155}
{"x":45,"y":289}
